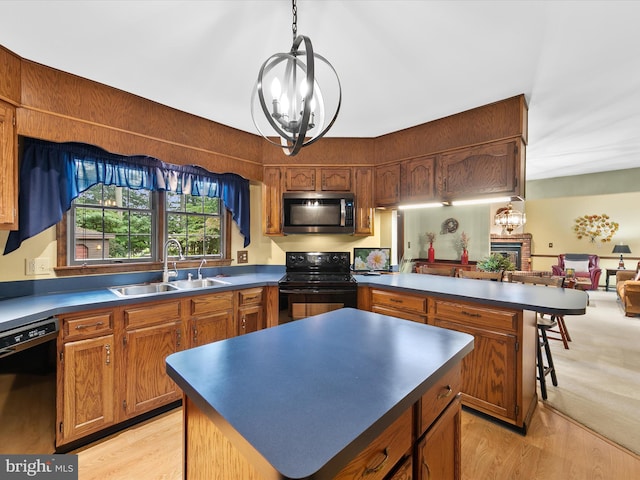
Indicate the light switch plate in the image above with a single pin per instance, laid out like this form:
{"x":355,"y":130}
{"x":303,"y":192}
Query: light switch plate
{"x":243,"y":256}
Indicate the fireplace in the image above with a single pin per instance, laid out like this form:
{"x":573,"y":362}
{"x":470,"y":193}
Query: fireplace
{"x":517,"y":247}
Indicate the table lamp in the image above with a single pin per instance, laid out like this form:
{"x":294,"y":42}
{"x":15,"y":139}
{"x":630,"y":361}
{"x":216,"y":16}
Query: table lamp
{"x":621,"y":249}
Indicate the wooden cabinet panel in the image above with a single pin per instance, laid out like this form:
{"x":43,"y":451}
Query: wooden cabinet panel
{"x":418,"y":180}
{"x":152,"y":314}
{"x":474,"y":315}
{"x":375,"y":461}
{"x":212,"y":303}
{"x":250,"y":296}
{"x":250,"y":319}
{"x":301,"y":179}
{"x":364,"y":201}
{"x":439,"y":451}
{"x":272,"y":201}
{"x":404,"y":470}
{"x":86,"y":402}
{"x":147,"y":384}
{"x":400,"y":301}
{"x":437,"y":398}
{"x":387,"y":187}
{"x":490,"y":169}
{"x":87,"y":325}
{"x":8,"y":167}
{"x":392,"y":312}
{"x":212,"y":327}
{"x":489,"y":372}
{"x":335,"y":179}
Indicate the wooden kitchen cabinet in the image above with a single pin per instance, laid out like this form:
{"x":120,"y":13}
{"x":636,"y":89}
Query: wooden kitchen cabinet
{"x":211,"y":318}
{"x":250,"y":310}
{"x":418,"y":180}
{"x":272,"y":201}
{"x":401,"y":305}
{"x":387,"y":186}
{"x":87,"y":358}
{"x":310,"y":179}
{"x":8,"y":167}
{"x":438,"y":453}
{"x":491,"y":169}
{"x":364,"y":201}
{"x":153,"y":331}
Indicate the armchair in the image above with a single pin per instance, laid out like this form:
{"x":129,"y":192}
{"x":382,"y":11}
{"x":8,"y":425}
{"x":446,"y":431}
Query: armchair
{"x":586,"y":266}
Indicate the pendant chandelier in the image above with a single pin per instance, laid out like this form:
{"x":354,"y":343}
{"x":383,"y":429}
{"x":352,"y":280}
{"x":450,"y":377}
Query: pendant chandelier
{"x":509,"y":219}
{"x":298,"y":111}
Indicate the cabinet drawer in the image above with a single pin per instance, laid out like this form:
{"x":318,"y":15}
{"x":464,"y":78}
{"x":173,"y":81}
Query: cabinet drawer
{"x":393,"y":312}
{"x":399,"y":301}
{"x":438,"y":397}
{"x":251,"y":296}
{"x":81,"y":326}
{"x":375,"y":461}
{"x":151,"y":314}
{"x":473,"y":315}
{"x":212,"y":303}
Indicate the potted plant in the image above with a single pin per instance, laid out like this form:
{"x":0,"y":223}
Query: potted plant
{"x":495,"y":263}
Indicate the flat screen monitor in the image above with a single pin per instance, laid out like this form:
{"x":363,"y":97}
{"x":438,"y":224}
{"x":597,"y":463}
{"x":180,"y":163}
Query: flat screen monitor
{"x":372,"y":259}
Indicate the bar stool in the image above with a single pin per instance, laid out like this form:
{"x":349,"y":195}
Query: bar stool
{"x":544,"y":324}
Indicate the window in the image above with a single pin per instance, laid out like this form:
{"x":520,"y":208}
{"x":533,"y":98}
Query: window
{"x":196,"y":223}
{"x":110,"y":224}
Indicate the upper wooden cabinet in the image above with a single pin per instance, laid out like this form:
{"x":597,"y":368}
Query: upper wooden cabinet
{"x":387,"y":190}
{"x":8,"y":167}
{"x":364,"y":200}
{"x":309,"y":179}
{"x":272,"y":201}
{"x":489,"y":169}
{"x":418,"y":180}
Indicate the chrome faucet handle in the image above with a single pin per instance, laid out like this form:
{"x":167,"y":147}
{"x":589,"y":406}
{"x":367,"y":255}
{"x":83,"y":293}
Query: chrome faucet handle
{"x":190,"y":276}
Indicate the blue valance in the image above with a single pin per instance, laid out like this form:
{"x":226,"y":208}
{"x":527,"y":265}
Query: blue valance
{"x":52,"y":175}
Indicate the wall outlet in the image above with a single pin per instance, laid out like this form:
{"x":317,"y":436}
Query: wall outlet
{"x":243,"y":256}
{"x":37,"y":266}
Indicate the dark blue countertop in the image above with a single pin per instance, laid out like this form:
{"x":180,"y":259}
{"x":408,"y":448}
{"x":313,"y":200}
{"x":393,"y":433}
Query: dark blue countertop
{"x":21,"y":310}
{"x":311,"y":394}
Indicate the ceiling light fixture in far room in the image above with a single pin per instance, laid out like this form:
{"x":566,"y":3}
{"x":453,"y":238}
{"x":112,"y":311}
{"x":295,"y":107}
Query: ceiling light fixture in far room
{"x":620,"y":248}
{"x":299,"y":112}
{"x":509,"y":219}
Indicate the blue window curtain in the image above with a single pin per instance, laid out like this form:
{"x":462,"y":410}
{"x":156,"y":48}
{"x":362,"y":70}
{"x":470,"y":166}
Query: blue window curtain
{"x":52,"y":175}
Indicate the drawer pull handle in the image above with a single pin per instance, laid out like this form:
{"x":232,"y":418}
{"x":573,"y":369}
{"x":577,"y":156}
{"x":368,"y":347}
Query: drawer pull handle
{"x":377,"y":468}
{"x":97,"y":324}
{"x":396,"y":300}
{"x":446,"y":393}
{"x":107,"y":348}
{"x":470,"y":314}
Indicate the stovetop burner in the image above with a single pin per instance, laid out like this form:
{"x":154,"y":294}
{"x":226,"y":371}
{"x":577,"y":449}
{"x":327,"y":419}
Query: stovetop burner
{"x":318,"y":268}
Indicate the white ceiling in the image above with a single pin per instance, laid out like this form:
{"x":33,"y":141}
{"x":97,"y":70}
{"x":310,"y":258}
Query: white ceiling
{"x":401,"y":63}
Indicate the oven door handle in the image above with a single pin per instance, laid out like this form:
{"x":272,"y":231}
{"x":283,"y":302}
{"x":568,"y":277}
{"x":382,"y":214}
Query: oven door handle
{"x":312,"y":290}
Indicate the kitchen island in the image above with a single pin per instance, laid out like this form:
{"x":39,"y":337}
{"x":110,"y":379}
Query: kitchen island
{"x":330,"y":396}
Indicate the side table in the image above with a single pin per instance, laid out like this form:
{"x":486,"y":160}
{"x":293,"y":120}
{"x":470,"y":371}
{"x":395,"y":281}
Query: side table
{"x":611,"y":272}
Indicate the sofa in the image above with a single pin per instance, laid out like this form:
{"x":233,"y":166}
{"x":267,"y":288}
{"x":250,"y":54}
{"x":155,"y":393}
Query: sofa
{"x":585,"y":266}
{"x":628,"y":288}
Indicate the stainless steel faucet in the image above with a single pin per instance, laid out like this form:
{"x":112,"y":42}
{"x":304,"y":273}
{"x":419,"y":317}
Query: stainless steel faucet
{"x":166,"y":274}
{"x":204,"y":261}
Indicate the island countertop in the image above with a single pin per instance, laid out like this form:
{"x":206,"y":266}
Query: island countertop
{"x":309,"y":395}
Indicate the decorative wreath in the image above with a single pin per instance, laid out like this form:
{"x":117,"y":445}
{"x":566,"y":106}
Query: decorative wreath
{"x":450,"y":225}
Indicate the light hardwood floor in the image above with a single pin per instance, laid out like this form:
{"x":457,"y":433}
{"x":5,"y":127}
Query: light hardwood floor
{"x":555,"y":448}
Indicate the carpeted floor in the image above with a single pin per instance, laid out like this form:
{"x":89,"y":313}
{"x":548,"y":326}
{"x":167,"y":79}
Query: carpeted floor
{"x":599,"y":376}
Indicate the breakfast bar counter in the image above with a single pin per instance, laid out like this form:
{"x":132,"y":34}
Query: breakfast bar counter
{"x":323,"y":397}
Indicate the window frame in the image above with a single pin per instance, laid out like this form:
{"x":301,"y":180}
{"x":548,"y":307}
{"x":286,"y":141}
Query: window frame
{"x":156,"y":263}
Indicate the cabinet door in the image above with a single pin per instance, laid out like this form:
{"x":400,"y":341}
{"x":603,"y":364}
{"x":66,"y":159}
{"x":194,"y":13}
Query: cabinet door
{"x":301,"y":179}
{"x":439,"y":450}
{"x":250,"y":319}
{"x":489,"y":372}
{"x":9,"y":168}
{"x":487,"y":169}
{"x":211,"y":328}
{"x":404,"y":471}
{"x":364,"y":201}
{"x":147,"y":384}
{"x":335,"y":179}
{"x":419,"y":180}
{"x":387,"y":185}
{"x":272,"y":201}
{"x":88,"y":388}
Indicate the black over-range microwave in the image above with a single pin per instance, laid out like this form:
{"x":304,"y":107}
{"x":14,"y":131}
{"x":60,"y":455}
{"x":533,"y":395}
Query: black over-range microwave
{"x":318,"y":212}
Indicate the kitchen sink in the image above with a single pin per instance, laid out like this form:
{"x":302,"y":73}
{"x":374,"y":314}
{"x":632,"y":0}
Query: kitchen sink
{"x":141,"y":290}
{"x":154,"y":288}
{"x":198,"y":283}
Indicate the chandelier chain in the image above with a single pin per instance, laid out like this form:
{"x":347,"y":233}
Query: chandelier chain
{"x":294,"y":25}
